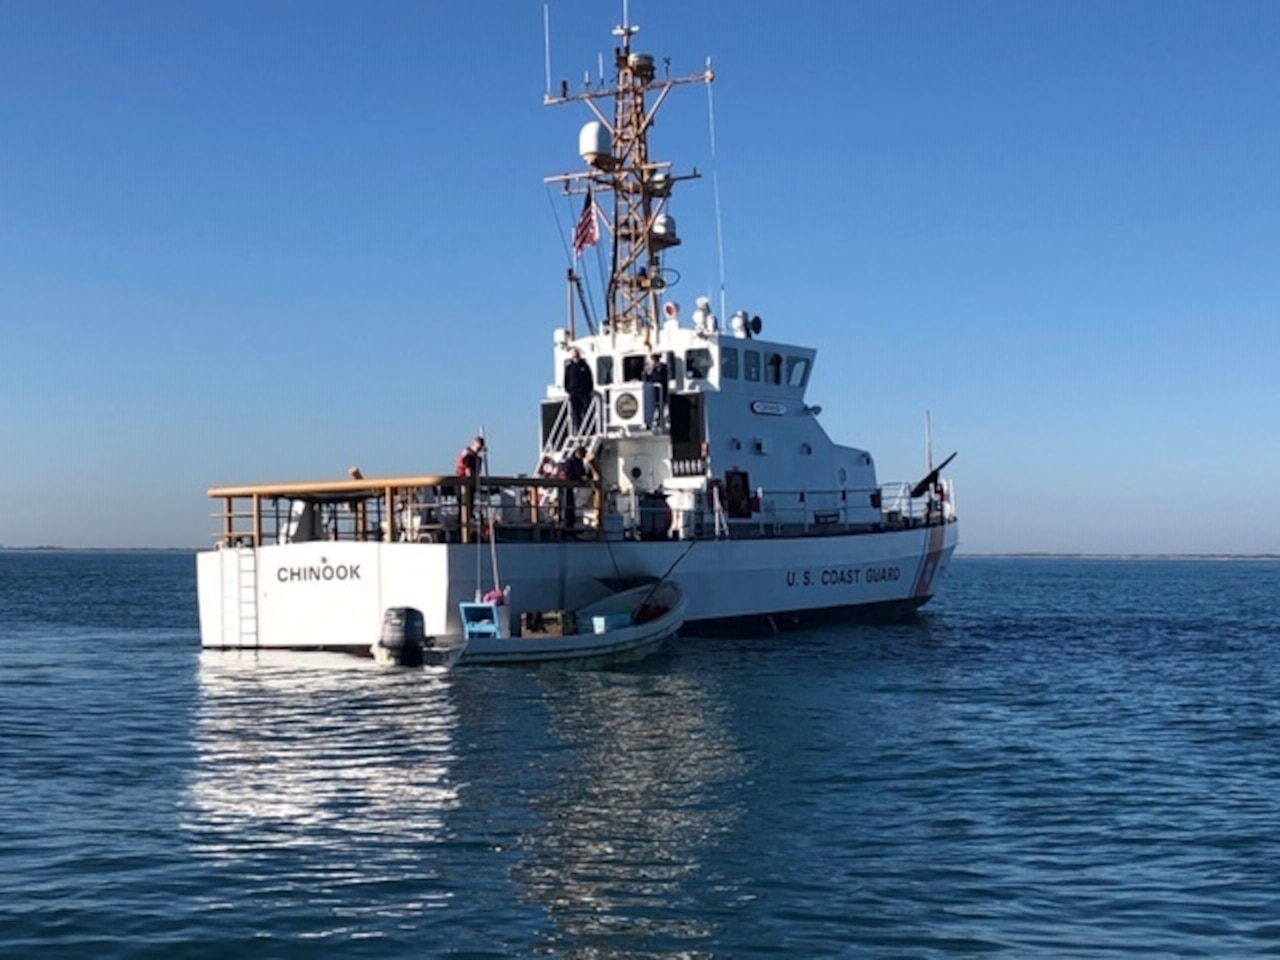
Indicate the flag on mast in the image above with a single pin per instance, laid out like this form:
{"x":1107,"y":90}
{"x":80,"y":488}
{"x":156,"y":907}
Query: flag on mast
{"x":587,"y":232}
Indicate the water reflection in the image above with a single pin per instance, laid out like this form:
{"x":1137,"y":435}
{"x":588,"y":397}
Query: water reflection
{"x":630,"y":823}
{"x":316,"y":750}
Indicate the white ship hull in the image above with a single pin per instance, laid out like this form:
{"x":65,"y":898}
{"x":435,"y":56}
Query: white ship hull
{"x":332,"y":595}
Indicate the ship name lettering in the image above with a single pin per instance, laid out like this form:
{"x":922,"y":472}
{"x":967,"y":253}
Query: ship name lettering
{"x":878,"y":574}
{"x":840,"y":576}
{"x":327,"y":571}
{"x":829,"y":577}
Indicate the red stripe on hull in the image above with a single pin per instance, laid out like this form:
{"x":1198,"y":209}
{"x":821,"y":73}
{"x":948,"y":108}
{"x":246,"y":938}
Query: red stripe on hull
{"x":932,"y":560}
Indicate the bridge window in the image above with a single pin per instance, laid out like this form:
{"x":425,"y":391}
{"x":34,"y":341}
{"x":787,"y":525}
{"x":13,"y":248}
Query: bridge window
{"x":604,"y":370}
{"x":697,"y":363}
{"x":633,"y":368}
{"x":751,"y":364}
{"x":728,"y":363}
{"x":797,"y":371}
{"x":774,"y":372}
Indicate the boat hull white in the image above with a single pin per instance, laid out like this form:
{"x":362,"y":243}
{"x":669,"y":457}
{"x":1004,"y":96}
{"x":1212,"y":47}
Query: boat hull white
{"x":332,"y":595}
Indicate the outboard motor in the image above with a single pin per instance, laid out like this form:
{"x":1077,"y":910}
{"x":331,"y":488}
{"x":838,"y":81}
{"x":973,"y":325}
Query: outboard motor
{"x":402,"y":639}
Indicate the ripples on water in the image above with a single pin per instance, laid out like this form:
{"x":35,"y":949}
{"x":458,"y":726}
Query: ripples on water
{"x":1061,"y":758}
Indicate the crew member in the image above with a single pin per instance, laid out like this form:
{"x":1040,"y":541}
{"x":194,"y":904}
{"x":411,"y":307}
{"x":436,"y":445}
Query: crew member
{"x":468,"y":464}
{"x":580,"y":386}
{"x":573,"y":467}
{"x":657,"y":377}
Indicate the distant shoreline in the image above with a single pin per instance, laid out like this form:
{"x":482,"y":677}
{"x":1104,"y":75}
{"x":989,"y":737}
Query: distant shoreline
{"x":1025,"y":555}
{"x":55,"y":549}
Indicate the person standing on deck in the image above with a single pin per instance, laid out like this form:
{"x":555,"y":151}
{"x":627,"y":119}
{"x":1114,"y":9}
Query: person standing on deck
{"x":657,"y":377}
{"x":468,"y":465}
{"x":580,"y":386}
{"x":573,"y":467}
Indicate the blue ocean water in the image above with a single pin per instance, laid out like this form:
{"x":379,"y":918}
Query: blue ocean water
{"x":1058,"y":758}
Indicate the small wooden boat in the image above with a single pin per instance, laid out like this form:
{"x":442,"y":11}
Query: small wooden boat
{"x":624,"y":626}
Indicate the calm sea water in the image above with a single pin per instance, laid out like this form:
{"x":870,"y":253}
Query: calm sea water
{"x":1059,"y":758}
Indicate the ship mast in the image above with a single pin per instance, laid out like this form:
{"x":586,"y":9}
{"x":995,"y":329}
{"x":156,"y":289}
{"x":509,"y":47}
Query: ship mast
{"x":619,"y":164}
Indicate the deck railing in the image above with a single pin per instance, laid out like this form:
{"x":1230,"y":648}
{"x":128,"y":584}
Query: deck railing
{"x":444,"y":509}
{"x":399,"y":509}
{"x":820,"y":511}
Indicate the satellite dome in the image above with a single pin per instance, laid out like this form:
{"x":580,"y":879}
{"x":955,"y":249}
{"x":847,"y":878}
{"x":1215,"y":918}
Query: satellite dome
{"x":664,"y":233}
{"x":596,"y":145}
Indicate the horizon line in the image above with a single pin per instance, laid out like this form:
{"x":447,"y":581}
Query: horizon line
{"x":959,"y":554}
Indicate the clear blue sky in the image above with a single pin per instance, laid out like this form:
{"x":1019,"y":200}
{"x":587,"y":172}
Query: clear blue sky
{"x":261,"y":241}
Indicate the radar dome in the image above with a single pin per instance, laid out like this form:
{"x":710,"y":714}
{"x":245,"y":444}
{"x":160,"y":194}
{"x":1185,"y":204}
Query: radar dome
{"x":595,"y":145}
{"x":663,"y":233}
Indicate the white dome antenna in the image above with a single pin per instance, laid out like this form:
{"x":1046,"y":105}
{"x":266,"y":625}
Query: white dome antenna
{"x":663,"y":233}
{"x":595,"y":145}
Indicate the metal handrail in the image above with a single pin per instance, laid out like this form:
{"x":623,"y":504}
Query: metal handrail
{"x":562,"y":434}
{"x":439,"y":506}
{"x":389,"y":509}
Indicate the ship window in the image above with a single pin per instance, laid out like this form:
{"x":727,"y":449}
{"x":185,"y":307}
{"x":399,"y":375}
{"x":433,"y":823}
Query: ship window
{"x":728,"y":363}
{"x":633,"y":368}
{"x":797,"y":371}
{"x":751,"y":364}
{"x":604,"y":370}
{"x":774,"y":373}
{"x":697,"y":363}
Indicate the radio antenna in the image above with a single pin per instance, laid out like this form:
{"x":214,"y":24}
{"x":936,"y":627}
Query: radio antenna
{"x":715,"y":189}
{"x":928,"y":440}
{"x":546,"y":41}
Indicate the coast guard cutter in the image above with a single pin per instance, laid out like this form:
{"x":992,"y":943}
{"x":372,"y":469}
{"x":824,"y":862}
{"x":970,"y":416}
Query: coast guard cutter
{"x":719,"y":477}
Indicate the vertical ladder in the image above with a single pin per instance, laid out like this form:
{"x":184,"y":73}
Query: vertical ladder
{"x":239,"y":597}
{"x":247,"y":569}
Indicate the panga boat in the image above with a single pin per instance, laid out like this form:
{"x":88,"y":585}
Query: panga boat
{"x":625,"y":626}
{"x":702,"y":457}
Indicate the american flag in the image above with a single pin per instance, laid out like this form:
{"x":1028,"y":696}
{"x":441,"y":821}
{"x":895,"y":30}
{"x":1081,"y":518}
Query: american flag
{"x":587,"y":232}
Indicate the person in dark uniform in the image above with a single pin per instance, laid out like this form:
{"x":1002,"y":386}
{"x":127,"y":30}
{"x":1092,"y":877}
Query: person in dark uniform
{"x":580,"y":385}
{"x":573,"y":467}
{"x":468,"y":465}
{"x":657,"y":377}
